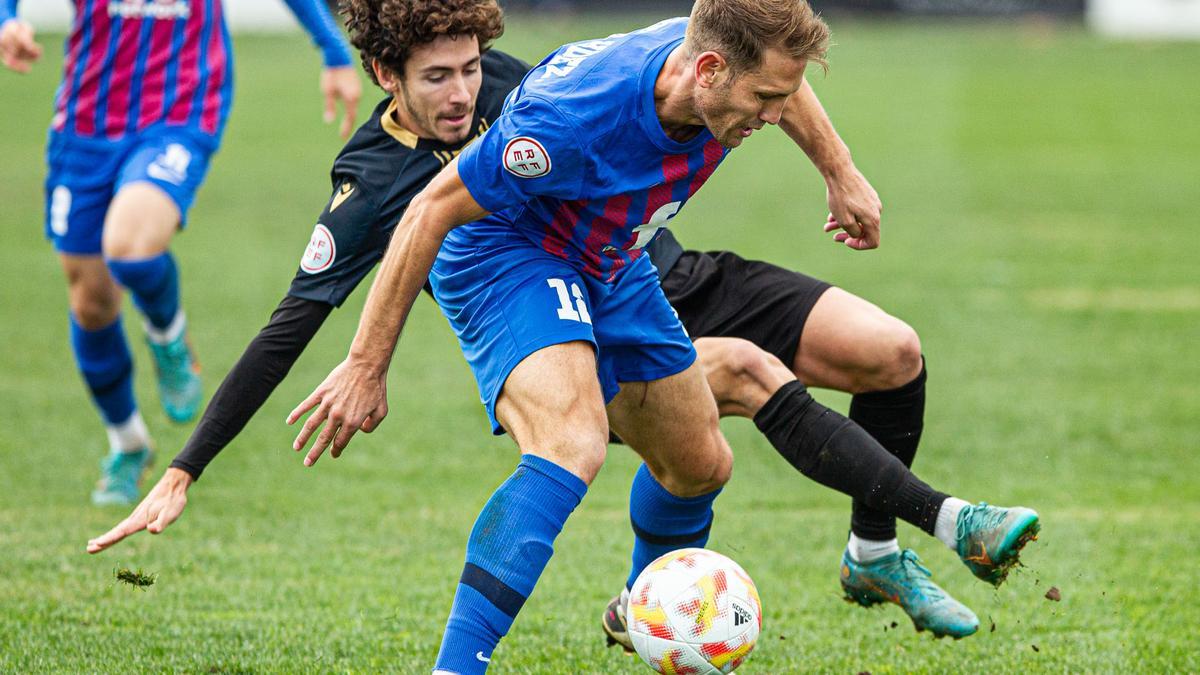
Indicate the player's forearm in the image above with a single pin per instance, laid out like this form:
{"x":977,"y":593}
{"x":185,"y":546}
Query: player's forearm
{"x":323,"y":27}
{"x":806,"y":123}
{"x":443,"y":205}
{"x":265,"y":363}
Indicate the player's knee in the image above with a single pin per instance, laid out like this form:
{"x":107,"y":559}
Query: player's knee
{"x":900,"y":349}
{"x":706,"y":470}
{"x":572,"y":432}
{"x":94,"y":305}
{"x":742,"y":376}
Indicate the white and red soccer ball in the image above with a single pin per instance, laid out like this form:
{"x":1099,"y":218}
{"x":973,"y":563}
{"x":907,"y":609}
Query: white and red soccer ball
{"x":694,"y":612}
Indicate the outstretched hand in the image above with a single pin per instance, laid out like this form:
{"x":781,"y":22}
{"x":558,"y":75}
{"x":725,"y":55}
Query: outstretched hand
{"x":351,"y":398}
{"x":18,"y":50}
{"x":854,"y":210}
{"x":161,"y":507}
{"x":341,"y":84}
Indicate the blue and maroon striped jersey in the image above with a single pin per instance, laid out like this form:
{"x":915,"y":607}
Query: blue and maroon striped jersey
{"x":579,"y":162}
{"x":133,"y":64}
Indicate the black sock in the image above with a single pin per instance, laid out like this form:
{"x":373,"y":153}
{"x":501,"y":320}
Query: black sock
{"x":837,"y":453}
{"x":895,"y":418}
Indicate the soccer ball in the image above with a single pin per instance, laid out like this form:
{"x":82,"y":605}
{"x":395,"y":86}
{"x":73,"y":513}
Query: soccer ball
{"x":694,"y":611}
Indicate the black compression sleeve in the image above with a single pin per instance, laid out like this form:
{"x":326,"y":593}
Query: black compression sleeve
{"x":263,"y":365}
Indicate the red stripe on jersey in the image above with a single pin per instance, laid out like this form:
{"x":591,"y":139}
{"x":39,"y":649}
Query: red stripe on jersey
{"x":155,"y":76}
{"x":559,"y":233}
{"x":72,"y":60}
{"x":215,"y":67}
{"x":713,"y":152}
{"x":188,"y":75}
{"x":121,"y":78}
{"x":675,"y":167}
{"x":616,"y":212}
{"x":89,"y":87}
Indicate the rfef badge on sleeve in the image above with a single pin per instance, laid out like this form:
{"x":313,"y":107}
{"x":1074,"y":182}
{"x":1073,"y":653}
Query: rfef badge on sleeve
{"x":526,"y":158}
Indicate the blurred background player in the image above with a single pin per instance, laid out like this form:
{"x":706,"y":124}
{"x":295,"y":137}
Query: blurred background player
{"x":144,"y":98}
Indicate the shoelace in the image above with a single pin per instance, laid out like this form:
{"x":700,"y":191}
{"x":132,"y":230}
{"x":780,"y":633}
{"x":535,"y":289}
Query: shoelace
{"x":978,"y":517}
{"x":920,"y":575}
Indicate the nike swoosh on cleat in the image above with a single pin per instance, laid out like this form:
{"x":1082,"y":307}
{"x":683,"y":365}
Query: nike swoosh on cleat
{"x":481,"y":657}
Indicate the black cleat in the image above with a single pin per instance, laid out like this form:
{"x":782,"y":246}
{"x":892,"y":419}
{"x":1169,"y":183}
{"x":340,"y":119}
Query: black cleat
{"x":616,"y":632}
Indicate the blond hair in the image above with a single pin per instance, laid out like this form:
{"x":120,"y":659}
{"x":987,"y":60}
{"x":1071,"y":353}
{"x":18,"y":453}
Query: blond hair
{"x":741,"y":30}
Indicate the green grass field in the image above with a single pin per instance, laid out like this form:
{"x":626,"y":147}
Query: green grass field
{"x":1040,"y":233}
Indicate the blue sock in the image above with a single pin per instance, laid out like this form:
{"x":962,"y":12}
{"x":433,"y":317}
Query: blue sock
{"x":107,"y":367}
{"x":663,"y":522}
{"x":509,"y":547}
{"x":154,"y":283}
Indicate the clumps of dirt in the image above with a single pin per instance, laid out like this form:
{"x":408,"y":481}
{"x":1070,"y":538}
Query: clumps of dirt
{"x":1054,"y":594}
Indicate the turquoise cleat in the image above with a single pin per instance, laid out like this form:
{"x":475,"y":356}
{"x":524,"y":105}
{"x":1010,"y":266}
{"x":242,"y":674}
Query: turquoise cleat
{"x":178,"y":379}
{"x":119,"y":477}
{"x":990,"y":539}
{"x":900,"y":578}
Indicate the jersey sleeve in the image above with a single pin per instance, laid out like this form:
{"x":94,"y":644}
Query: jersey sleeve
{"x":531,"y":151}
{"x":345,"y":244}
{"x":315,"y":17}
{"x":8,"y":10}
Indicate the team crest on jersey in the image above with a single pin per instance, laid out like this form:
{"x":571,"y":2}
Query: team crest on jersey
{"x":149,"y":9}
{"x":321,"y":251}
{"x":526,"y":158}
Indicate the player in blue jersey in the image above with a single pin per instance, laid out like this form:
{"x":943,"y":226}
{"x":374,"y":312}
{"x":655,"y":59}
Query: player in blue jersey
{"x":146,"y":90}
{"x":558,"y":311}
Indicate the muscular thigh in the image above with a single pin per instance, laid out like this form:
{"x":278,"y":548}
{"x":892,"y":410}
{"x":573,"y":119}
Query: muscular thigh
{"x":552,"y":406}
{"x":852,"y":345}
{"x":672,"y":423}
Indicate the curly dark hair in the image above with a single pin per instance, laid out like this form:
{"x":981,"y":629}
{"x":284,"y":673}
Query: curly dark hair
{"x":387,"y":30}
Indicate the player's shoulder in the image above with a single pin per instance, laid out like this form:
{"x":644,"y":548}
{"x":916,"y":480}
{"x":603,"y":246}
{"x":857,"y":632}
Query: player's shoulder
{"x":378,"y":148}
{"x":501,"y":74}
{"x":503,"y":68}
{"x":597,"y":83}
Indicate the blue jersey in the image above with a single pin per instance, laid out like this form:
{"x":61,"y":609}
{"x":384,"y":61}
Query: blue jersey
{"x":134,"y":64}
{"x":579,"y":163}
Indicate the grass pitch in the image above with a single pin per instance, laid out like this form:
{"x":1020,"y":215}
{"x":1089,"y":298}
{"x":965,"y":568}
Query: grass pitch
{"x":1040,"y":233}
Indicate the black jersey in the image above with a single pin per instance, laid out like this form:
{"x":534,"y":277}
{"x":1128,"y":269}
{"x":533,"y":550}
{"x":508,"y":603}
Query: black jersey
{"x":374,"y":178}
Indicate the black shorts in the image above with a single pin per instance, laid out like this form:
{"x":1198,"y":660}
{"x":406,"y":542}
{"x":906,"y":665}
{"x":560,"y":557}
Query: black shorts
{"x":720,"y":294}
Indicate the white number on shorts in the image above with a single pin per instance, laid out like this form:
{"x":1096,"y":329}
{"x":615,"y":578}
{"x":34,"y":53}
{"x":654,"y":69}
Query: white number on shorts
{"x":565,"y":311}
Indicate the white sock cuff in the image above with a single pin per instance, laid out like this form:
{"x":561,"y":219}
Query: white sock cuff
{"x":946,"y":527}
{"x":170,"y":333}
{"x":870,"y":550}
{"x":130,"y":435}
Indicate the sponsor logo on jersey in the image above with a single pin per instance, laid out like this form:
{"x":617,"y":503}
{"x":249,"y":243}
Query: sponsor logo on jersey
{"x":343,"y":193}
{"x":321,"y":251}
{"x":569,"y":57}
{"x":525,"y":157}
{"x":152,"y":9}
{"x":171,"y":166}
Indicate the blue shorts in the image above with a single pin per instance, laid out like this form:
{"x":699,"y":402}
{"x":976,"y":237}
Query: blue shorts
{"x":86,"y":173}
{"x":506,"y":298}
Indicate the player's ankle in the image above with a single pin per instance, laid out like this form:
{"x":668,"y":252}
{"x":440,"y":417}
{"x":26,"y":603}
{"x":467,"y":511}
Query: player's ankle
{"x":946,"y":528}
{"x":867,"y":551}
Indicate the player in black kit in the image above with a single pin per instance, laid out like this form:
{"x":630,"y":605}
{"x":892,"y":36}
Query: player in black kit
{"x":757,"y":327}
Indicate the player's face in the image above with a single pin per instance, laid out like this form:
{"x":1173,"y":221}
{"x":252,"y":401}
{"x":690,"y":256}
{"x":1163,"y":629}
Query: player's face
{"x":437,"y":94}
{"x":734,"y":107}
